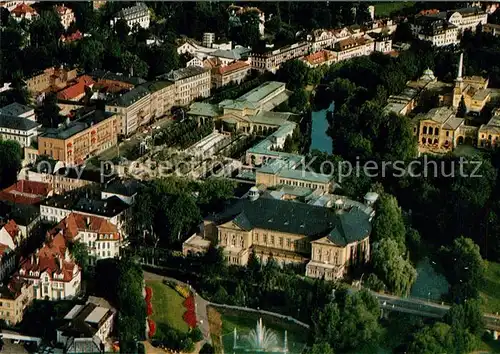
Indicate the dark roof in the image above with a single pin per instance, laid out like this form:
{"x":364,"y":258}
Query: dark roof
{"x":18,"y":123}
{"x":130,"y":97}
{"x":467,"y":11}
{"x":157,"y":85}
{"x":102,"y":207}
{"x":77,"y":327}
{"x":297,"y":218}
{"x":86,"y":174}
{"x":123,"y":187}
{"x":22,"y":214}
{"x":15,"y":109}
{"x":106,"y":75}
{"x":183,"y":73}
{"x":74,"y":127}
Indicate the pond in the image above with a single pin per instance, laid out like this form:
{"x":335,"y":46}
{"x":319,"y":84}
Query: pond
{"x":320,"y":140}
{"x":429,"y":284}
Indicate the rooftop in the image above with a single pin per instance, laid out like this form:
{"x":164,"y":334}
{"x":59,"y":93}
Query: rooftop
{"x":204,"y":109}
{"x":17,"y":123}
{"x":107,"y":75}
{"x":15,"y":109}
{"x":183,"y":73}
{"x":127,"y":187}
{"x":83,"y":321}
{"x":130,"y":97}
{"x":22,"y":214}
{"x":68,"y":130}
{"x":26,"y":192}
{"x":297,"y":218}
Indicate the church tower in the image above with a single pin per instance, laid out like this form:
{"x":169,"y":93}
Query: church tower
{"x":459,"y":83}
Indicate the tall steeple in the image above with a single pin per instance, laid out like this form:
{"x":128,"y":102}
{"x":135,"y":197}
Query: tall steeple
{"x":460,"y":67}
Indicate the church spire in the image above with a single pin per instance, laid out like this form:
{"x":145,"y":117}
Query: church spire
{"x":460,"y":67}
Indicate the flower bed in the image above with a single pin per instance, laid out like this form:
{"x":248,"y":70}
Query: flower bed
{"x":183,"y":291}
{"x":152,"y":327}
{"x":149,"y":294}
{"x":190,"y":315}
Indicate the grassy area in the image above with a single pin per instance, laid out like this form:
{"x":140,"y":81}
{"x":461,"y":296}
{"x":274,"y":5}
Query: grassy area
{"x":167,"y":306}
{"x":489,"y":346}
{"x":384,"y":9}
{"x":490,"y":291}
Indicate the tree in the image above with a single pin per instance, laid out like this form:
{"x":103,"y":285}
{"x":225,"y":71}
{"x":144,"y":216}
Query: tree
{"x":91,"y":53}
{"x":122,"y":29}
{"x":133,"y":65}
{"x":207,"y":349}
{"x":320,"y":348}
{"x":391,"y":266}
{"x":462,"y":108}
{"x":182,"y":214}
{"x":11,"y":155}
{"x":162,"y":59}
{"x":350,"y":325}
{"x":249,"y":33}
{"x":294,"y":73}
{"x":80,"y":253}
{"x":465,"y":269}
{"x":48,"y":114}
{"x":298,"y":100}
{"x":389,"y":223}
{"x":440,"y":338}
{"x":467,"y":316}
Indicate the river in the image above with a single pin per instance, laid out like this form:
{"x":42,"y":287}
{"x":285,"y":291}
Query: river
{"x":319,"y":138}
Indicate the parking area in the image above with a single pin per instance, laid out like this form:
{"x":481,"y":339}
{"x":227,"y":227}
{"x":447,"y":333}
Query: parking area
{"x":13,"y":348}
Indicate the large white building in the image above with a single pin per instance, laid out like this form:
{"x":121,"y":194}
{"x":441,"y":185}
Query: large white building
{"x":444,"y":28}
{"x":190,"y":83}
{"x":134,"y":15}
{"x":52,"y":271}
{"x":22,"y":130}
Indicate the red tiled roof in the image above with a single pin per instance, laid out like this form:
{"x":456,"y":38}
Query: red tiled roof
{"x":61,"y":10}
{"x":429,"y":12}
{"x":75,"y":223}
{"x":238,"y":65}
{"x":212,"y":63}
{"x":319,"y":57}
{"x":77,"y":89}
{"x":72,"y":37}
{"x":3,"y":248}
{"x":23,"y":9}
{"x":51,"y":259}
{"x":26,"y":192}
{"x":12,"y":229}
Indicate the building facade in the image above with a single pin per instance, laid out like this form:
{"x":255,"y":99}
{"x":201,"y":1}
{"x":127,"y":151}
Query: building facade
{"x":235,"y":72}
{"x":52,"y":271}
{"x":190,"y":83}
{"x":137,"y":15}
{"x":290,"y":232}
{"x":271,"y":60}
{"x":489,"y":133}
{"x":22,"y":130}
{"x":76,"y":141}
{"x":66,"y":15}
{"x":15,"y":298}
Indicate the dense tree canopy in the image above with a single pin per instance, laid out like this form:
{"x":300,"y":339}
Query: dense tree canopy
{"x":11,"y":155}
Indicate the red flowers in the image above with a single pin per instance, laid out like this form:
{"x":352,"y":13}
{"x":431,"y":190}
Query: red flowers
{"x":149,"y":308}
{"x":149,"y":294}
{"x":190,"y":315}
{"x":152,"y":327}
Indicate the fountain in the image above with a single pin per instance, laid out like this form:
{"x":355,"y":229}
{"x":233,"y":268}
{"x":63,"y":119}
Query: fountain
{"x":260,"y":340}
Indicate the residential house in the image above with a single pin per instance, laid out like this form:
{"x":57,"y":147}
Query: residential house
{"x":190,"y":83}
{"x":132,"y":109}
{"x":322,"y":57}
{"x":12,"y":4}
{"x":56,"y":78}
{"x":52,"y":271}
{"x":66,"y":15}
{"x":162,"y":98}
{"x":353,"y":47}
{"x":24,"y":12}
{"x":26,"y":192}
{"x":15,"y":297}
{"x":489,"y":133}
{"x":74,"y":142}
{"x":102,"y":238}
{"x":137,"y":15}
{"x":10,"y":238}
{"x":27,"y":217}
{"x":126,"y":190}
{"x":77,"y":90}
{"x":19,"y":110}
{"x":232,"y":73}
{"x":70,"y":38}
{"x":22,"y":130}
{"x":86,"y":329}
{"x":321,"y":39}
{"x":270,"y":60}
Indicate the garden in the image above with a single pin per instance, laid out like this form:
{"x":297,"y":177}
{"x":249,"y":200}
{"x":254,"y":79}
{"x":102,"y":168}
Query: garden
{"x":171,"y":314}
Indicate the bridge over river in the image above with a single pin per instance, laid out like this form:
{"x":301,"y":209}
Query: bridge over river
{"x":427,"y":309}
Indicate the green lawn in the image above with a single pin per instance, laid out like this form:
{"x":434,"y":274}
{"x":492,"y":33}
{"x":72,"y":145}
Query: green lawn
{"x":490,"y":291}
{"x":384,"y":9}
{"x":167,"y":306}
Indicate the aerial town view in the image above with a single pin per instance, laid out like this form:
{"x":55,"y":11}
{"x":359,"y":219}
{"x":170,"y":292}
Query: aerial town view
{"x":233,"y":177}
